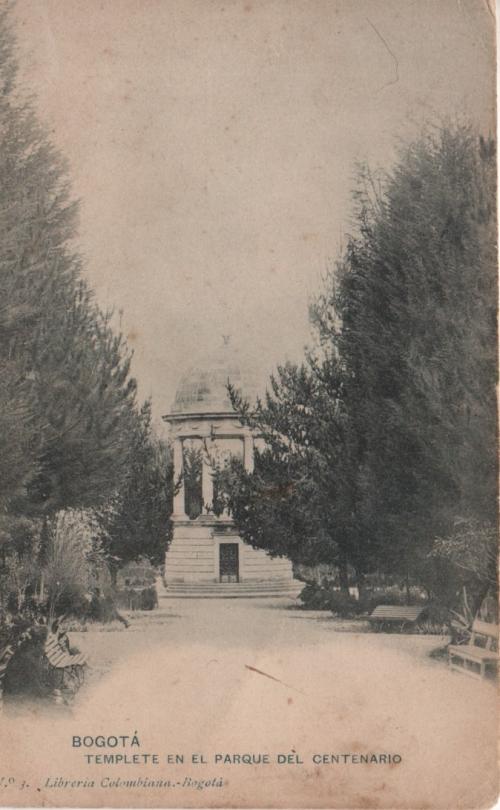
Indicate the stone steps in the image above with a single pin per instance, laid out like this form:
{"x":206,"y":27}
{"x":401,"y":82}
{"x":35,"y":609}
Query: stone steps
{"x":231,"y":590}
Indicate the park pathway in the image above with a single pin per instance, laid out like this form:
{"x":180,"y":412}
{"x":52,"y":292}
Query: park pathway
{"x":261,"y":677}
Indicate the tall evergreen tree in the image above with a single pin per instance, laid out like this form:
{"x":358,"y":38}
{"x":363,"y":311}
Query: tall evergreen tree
{"x":387,"y":434}
{"x":138,"y":522}
{"x":68,"y":415}
{"x":86,"y":398}
{"x":297,"y":502}
{"x":68,"y":401}
{"x":416,"y":299}
{"x":36,"y":219}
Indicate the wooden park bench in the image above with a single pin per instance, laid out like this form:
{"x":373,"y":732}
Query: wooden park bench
{"x":60,"y":658}
{"x":396,"y":614}
{"x":68,"y":664}
{"x":473,"y":658}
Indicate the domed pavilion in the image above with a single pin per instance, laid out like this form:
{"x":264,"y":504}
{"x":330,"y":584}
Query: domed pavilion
{"x":206,"y":557}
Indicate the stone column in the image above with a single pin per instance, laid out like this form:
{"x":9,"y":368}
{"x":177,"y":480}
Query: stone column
{"x":248,"y":452}
{"x":207,"y":485}
{"x":179,"y":506}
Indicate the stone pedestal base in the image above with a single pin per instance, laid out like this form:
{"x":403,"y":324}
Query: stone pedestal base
{"x":195,"y":558}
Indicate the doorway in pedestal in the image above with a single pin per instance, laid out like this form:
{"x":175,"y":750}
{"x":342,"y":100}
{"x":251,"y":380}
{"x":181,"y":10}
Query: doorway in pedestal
{"x":229,"y":565}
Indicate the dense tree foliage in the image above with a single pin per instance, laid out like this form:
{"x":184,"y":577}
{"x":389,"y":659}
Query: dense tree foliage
{"x":68,"y":398}
{"x":36,"y":218}
{"x":71,"y":434}
{"x":416,"y":297}
{"x":386,"y":435}
{"x":138,"y":521}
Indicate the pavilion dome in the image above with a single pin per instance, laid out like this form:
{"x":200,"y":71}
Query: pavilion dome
{"x":203,"y":389}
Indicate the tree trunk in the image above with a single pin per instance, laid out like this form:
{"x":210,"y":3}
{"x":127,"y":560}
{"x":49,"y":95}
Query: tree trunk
{"x":407,"y":587}
{"x":361,"y":584}
{"x":343,"y":576}
{"x":113,"y":573}
{"x":41,"y":589}
{"x":42,"y":558}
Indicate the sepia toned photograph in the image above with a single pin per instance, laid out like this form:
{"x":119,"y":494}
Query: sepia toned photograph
{"x":248,"y":408}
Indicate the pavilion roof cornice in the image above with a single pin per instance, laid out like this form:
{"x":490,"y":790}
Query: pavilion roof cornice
{"x":179,"y":417}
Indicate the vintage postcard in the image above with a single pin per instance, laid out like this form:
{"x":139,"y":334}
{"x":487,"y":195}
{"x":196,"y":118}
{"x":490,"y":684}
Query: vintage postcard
{"x":248,"y":421}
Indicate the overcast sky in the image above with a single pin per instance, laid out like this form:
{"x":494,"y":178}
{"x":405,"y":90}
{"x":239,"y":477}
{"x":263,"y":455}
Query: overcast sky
{"x":213,"y":143}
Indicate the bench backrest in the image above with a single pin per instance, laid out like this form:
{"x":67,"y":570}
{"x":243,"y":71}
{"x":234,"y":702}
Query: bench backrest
{"x":484,"y":630}
{"x":54,"y":652}
{"x":403,"y":612}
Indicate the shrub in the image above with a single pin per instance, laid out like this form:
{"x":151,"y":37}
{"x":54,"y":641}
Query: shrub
{"x":28,"y":673}
{"x":325,"y":597}
{"x":465,"y":558}
{"x":74,"y":558}
{"x":149,"y":598}
{"x":72,"y":602}
{"x":315,"y":597}
{"x":145,"y":598}
{"x":436,"y":620}
{"x":328,"y":597}
{"x":391,"y":595}
{"x":345,"y":606}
